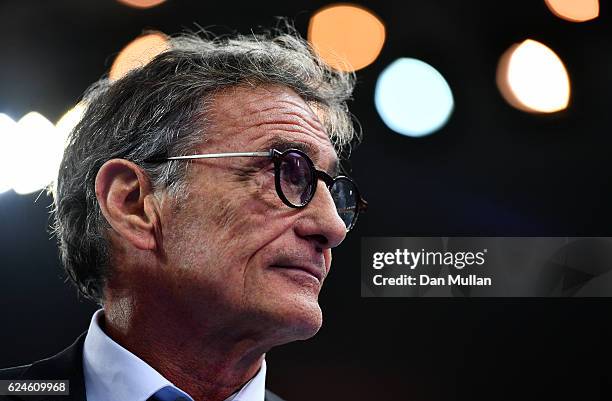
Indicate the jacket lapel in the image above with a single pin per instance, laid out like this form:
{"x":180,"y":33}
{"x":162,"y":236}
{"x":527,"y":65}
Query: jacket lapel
{"x":67,"y":365}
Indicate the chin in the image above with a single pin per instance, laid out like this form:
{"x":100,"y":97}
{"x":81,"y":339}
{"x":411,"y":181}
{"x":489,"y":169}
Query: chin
{"x":294,"y":318}
{"x":288,"y":301}
{"x":306,"y":325}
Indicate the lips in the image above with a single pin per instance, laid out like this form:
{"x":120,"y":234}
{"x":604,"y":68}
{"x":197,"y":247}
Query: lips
{"x":303,"y":259}
{"x":312,"y":270}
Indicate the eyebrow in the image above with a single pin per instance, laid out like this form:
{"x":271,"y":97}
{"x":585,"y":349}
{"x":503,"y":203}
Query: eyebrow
{"x":282,"y":144}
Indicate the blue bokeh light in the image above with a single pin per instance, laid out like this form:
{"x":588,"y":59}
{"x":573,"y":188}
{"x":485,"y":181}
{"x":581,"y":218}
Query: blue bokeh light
{"x":413,"y":98}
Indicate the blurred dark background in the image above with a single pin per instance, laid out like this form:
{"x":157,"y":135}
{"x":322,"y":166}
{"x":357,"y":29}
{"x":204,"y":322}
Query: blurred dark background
{"x":492,"y":170}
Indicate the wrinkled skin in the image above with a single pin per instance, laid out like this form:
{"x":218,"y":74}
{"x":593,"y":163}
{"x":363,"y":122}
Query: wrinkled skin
{"x":205,"y":286}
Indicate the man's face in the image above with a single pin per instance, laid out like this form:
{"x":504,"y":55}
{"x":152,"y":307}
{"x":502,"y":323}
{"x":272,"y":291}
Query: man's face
{"x":235,"y":251}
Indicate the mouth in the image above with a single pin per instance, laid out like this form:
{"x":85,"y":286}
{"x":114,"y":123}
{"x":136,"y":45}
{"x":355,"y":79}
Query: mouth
{"x":310,"y":270}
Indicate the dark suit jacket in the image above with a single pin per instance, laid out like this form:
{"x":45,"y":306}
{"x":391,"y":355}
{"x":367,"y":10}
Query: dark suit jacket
{"x":68,"y":364}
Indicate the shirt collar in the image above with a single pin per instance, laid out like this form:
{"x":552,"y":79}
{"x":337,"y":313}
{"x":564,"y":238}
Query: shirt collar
{"x":114,"y":373}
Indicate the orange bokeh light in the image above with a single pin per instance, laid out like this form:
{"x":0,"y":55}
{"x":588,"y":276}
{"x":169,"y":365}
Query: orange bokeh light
{"x":574,"y":10}
{"x":138,"y":53}
{"x":347,"y":37}
{"x":141,"y":3}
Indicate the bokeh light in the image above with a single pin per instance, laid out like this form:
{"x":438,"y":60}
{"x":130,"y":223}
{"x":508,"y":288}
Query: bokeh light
{"x":347,"y":37}
{"x":141,"y":3}
{"x":38,"y":152}
{"x":138,"y":53}
{"x":413,"y":98}
{"x":69,"y":120}
{"x":574,"y":10}
{"x":7,"y":137}
{"x":531,"y":77}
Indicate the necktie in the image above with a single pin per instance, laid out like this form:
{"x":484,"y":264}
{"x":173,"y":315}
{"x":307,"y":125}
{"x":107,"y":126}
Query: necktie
{"x":179,"y":398}
{"x":168,"y":397}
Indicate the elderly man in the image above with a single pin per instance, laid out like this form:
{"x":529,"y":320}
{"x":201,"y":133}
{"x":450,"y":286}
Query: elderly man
{"x":198,"y":202}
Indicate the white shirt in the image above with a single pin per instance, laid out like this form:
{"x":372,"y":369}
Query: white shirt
{"x":114,"y":373}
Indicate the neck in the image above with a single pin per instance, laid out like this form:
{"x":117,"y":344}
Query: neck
{"x":209,"y":360}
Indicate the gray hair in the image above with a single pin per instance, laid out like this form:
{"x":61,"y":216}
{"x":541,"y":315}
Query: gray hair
{"x":160,"y":110}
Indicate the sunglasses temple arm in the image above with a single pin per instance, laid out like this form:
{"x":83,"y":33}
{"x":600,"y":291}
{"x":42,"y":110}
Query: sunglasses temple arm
{"x":218,"y":155}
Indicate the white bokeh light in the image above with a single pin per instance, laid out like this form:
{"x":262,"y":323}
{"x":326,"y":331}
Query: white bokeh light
{"x":533,"y":78}
{"x":413,"y":98}
{"x":69,"y":120}
{"x":7,"y":138}
{"x":38,"y":151}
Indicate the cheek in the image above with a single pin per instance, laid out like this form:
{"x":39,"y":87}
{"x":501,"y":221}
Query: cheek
{"x":223,"y":225}
{"x":239,"y":212}
{"x":229,"y":224}
{"x":252,"y":210}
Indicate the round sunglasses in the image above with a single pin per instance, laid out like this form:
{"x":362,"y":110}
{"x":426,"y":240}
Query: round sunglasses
{"x":296,"y":178}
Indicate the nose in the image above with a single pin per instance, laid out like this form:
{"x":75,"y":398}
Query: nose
{"x":320,"y":221}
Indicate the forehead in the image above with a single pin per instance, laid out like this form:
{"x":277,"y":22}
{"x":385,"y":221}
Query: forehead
{"x":259,"y":118}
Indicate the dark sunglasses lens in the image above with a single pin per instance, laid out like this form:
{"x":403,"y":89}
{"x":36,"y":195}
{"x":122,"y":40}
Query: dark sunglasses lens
{"x":344,"y":193}
{"x":296,"y":178}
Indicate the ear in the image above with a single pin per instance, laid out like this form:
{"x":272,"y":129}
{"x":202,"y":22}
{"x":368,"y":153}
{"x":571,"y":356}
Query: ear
{"x":127,"y":202}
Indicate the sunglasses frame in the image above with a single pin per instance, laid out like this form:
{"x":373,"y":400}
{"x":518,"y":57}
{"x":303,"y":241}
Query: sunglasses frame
{"x":277,"y":157}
